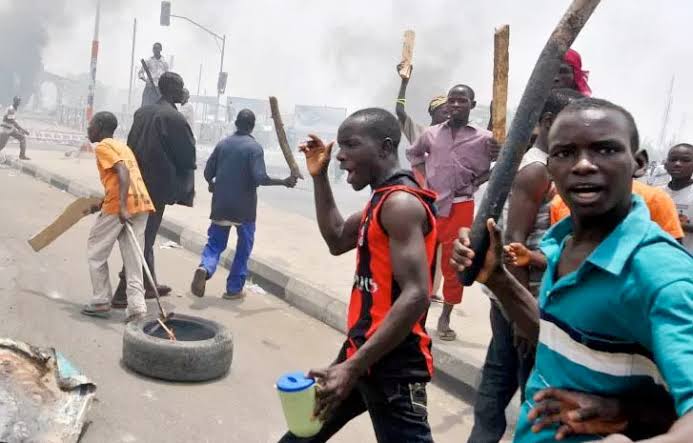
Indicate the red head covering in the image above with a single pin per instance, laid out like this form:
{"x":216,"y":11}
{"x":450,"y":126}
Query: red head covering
{"x":575,"y":62}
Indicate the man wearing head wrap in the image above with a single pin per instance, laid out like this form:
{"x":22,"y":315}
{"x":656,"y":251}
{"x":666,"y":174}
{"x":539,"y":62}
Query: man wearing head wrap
{"x":570,"y":75}
{"x":437,"y":109}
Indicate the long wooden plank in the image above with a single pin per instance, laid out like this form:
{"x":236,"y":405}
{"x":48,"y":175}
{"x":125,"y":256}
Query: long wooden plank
{"x":536,"y":92}
{"x":76,"y":211}
{"x":407,"y":53}
{"x":283,"y":141}
{"x":501,"y":41}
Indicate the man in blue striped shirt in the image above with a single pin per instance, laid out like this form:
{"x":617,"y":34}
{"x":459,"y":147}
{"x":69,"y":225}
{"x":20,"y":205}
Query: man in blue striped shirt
{"x":615,"y":310}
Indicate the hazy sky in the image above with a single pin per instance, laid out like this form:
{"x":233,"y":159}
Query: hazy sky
{"x":343,"y":53}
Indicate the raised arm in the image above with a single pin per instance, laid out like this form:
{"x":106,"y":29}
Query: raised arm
{"x":340,"y":235}
{"x":401,"y":97}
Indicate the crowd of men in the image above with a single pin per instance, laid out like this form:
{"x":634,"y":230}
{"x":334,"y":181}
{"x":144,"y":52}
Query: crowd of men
{"x":589,"y":270}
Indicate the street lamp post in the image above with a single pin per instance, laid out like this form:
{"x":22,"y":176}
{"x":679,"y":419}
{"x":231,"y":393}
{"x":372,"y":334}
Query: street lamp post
{"x":165,"y":20}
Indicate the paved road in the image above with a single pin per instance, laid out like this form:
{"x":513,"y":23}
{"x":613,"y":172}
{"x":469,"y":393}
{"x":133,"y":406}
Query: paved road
{"x":40,"y":297}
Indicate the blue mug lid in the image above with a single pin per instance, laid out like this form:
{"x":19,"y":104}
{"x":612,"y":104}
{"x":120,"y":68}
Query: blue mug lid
{"x":294,"y":382}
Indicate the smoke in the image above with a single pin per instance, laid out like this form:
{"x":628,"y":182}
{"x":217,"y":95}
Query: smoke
{"x":344,"y":54}
{"x":24,"y":33}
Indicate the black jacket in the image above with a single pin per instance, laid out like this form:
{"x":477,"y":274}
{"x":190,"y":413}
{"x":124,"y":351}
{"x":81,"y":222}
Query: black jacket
{"x":164,"y":146}
{"x":237,"y":168}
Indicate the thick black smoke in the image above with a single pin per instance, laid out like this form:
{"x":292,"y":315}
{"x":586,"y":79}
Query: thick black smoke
{"x":24,"y":32}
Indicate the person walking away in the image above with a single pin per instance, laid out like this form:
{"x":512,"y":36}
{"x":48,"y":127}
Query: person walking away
{"x":455,"y":158}
{"x":385,"y":362}
{"x":234,"y":171}
{"x":679,"y":165}
{"x":164,"y":146}
{"x":615,"y":308}
{"x":10,"y":128}
{"x":157,"y":66}
{"x":126,"y":201}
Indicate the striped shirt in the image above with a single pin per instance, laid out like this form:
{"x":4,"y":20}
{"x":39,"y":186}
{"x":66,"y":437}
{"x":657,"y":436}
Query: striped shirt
{"x":622,"y":322}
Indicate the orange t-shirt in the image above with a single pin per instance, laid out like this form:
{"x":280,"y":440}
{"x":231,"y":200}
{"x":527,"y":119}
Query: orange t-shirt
{"x":109,"y":152}
{"x":662,"y":208}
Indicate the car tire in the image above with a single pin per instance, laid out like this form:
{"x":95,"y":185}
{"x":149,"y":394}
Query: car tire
{"x":186,"y":359}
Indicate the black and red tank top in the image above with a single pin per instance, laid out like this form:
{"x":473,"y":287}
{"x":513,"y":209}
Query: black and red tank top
{"x":375,"y":289}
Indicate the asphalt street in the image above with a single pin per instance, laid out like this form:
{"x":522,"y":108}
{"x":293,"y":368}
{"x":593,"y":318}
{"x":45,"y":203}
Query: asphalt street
{"x":40,"y":297}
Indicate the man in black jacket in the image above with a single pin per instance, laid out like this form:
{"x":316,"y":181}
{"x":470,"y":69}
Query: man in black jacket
{"x":234,"y":171}
{"x":164,"y":147}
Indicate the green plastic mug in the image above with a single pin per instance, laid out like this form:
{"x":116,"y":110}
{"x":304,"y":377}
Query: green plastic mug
{"x":297,"y":394}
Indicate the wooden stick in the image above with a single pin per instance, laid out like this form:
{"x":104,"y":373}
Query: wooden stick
{"x":533,"y":99}
{"x":501,"y":40}
{"x":407,"y":53}
{"x":283,"y":142}
{"x":171,"y":335}
{"x":150,"y":79}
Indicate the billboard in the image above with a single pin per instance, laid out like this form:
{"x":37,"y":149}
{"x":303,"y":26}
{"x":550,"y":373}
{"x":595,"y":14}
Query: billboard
{"x":320,"y":119}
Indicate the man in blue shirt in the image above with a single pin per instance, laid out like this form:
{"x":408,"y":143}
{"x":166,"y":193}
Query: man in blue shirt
{"x":234,"y":171}
{"x":615,"y":310}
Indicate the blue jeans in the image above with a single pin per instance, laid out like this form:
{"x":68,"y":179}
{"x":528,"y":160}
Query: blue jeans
{"x":217,"y":239}
{"x":398,"y":411}
{"x":505,"y":370}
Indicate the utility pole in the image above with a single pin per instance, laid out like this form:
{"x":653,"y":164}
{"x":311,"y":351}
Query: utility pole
{"x":199,"y":80}
{"x":165,"y":20}
{"x":132,"y":64}
{"x":94,"y":59}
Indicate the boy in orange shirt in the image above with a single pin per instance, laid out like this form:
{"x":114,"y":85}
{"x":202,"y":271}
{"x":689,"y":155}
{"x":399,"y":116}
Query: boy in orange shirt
{"x":662,"y":211}
{"x":126,"y":200}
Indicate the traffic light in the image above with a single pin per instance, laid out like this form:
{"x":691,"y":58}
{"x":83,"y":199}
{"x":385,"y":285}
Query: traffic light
{"x":165,"y":19}
{"x":221,"y":82}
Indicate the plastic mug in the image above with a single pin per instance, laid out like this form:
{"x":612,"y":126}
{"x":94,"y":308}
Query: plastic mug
{"x":297,"y":395}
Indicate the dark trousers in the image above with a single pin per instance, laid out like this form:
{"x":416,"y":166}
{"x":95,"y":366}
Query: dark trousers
{"x":150,"y":233}
{"x":398,"y":412}
{"x":505,"y":370}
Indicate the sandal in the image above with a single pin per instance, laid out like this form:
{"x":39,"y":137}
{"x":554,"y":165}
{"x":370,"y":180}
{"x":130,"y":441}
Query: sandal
{"x":102,"y":310}
{"x":447,"y":335}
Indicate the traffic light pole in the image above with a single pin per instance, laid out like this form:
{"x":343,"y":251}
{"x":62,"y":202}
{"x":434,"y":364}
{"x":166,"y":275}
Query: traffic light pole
{"x":221,"y":70}
{"x":213,"y":34}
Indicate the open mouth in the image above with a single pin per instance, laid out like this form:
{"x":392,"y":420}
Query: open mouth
{"x":350,"y":174}
{"x":585,"y":193}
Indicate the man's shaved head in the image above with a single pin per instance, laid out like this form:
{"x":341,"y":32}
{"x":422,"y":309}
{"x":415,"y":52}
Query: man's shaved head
{"x":464,"y":89}
{"x":596,"y":103}
{"x":245,"y":121}
{"x":378,"y":124}
{"x":107,"y":121}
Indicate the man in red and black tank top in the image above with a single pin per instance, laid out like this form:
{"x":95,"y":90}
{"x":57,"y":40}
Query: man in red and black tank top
{"x":385,"y":362}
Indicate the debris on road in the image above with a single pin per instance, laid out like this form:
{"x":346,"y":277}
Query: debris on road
{"x":42,"y":395}
{"x":170,"y":244}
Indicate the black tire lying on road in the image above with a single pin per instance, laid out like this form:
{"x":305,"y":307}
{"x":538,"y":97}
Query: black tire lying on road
{"x":203,"y":349}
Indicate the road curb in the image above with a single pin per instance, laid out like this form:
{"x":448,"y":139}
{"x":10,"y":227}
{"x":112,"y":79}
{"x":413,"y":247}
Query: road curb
{"x":461,"y":371}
